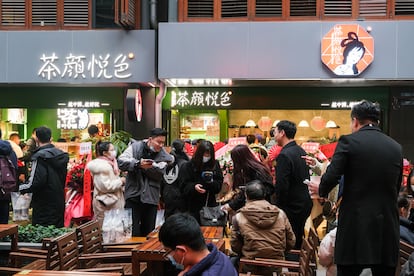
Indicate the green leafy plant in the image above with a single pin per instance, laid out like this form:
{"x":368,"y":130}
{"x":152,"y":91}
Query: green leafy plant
{"x":120,"y":140}
{"x":35,"y":233}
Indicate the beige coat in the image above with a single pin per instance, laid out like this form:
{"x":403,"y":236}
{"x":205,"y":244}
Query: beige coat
{"x":261,"y":229}
{"x":108,"y":188}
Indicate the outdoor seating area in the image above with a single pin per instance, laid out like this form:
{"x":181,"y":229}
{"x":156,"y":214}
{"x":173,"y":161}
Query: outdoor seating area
{"x":82,"y":252}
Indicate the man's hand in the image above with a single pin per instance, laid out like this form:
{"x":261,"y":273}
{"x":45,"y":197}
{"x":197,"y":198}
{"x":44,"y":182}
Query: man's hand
{"x":146,"y":163}
{"x":310,"y":161}
{"x":313,"y":188}
{"x":199,"y":188}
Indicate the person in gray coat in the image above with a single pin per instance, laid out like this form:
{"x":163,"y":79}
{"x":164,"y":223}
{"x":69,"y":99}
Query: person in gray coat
{"x":146,"y":162}
{"x":368,"y":224}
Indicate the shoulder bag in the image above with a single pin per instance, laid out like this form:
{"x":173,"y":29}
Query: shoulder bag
{"x":212,"y":216}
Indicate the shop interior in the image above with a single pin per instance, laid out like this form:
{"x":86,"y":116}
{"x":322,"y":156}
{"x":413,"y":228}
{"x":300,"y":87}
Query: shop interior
{"x":322,"y":126}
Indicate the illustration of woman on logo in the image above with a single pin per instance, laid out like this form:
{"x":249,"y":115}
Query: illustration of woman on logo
{"x":353,"y":53}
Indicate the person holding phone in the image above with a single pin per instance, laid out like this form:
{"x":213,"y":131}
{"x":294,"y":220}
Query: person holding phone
{"x":146,"y":162}
{"x":200,"y":179}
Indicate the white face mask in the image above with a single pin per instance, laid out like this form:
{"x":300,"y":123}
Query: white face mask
{"x":206,"y":159}
{"x":112,"y":154}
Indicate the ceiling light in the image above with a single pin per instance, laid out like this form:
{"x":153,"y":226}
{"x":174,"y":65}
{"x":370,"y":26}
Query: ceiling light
{"x":250,"y":123}
{"x":303,"y":123}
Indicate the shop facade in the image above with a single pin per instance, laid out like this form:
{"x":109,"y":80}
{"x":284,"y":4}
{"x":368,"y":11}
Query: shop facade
{"x":278,"y":70}
{"x":68,"y":80}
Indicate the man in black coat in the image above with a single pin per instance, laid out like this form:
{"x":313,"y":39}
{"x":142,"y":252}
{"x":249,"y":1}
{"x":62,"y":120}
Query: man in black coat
{"x":368,"y":225}
{"x":292,"y":195}
{"x":47,"y":181}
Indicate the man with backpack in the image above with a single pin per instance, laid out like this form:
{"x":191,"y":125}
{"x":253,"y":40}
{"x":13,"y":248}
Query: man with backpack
{"x":8,"y":179}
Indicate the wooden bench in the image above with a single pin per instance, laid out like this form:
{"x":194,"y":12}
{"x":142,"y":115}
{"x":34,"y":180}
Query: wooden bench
{"x":302,"y":266}
{"x":405,"y":251}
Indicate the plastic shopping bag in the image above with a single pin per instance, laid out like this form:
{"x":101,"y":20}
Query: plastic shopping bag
{"x":117,"y":225}
{"x":21,"y":204}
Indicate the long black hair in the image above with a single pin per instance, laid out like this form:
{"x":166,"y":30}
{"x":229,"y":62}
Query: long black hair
{"x":203,"y":147}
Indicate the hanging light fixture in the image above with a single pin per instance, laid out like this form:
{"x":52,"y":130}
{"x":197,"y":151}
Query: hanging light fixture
{"x":303,"y":123}
{"x":330,"y":124}
{"x":250,"y":123}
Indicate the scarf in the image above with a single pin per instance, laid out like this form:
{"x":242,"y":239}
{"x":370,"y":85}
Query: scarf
{"x":112,"y":162}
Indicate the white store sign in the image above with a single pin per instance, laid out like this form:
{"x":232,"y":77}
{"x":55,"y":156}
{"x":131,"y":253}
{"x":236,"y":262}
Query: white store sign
{"x":96,"y":66}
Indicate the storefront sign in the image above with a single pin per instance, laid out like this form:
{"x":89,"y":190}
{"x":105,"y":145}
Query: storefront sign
{"x":347,"y":50}
{"x":340,"y":104}
{"x":188,"y":99}
{"x":99,"y":66}
{"x":72,"y":118}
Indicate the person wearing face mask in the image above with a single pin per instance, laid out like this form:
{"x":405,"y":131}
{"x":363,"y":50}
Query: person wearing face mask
{"x":108,"y":186}
{"x":200,"y":179}
{"x":181,"y":236}
{"x":146,"y":162}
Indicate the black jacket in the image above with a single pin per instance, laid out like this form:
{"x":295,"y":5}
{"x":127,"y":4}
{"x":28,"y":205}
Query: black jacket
{"x":368,"y":223}
{"x":170,"y":190}
{"x":189,"y":177}
{"x":47,"y":183}
{"x":6,"y":150}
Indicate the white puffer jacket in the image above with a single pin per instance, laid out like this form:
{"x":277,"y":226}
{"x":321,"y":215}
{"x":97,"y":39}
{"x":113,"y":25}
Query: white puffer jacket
{"x":108,"y":188}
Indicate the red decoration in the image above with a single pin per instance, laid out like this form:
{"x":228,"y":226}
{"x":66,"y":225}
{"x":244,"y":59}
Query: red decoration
{"x":265,"y":123}
{"x":317,"y":123}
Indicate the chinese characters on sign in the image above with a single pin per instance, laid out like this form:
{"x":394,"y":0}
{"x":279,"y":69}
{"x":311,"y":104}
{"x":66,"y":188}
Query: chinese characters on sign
{"x":343,"y":104}
{"x":72,"y":118}
{"x":184,"y":99}
{"x":82,"y":67}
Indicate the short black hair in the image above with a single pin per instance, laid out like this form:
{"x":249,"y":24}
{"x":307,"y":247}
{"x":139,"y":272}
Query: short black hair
{"x":182,"y":229}
{"x":250,"y":138}
{"x":43,"y":134}
{"x":403,"y":202}
{"x":11,"y":137}
{"x":93,"y":130}
{"x":366,"y":111}
{"x":255,"y":190}
{"x":155,"y":132}
{"x":288,"y":127}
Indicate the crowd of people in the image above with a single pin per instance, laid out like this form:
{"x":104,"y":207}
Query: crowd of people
{"x":272,"y":197}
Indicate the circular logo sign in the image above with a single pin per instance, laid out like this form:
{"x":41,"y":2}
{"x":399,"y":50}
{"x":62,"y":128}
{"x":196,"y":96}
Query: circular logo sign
{"x":347,"y":50}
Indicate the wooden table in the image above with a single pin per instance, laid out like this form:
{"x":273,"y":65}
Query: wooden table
{"x":10,"y":230}
{"x":154,"y":254}
{"x":65,"y":273}
{"x":209,"y":232}
{"x":127,"y":245}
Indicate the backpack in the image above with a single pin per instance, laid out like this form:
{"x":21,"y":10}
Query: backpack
{"x":8,"y":176}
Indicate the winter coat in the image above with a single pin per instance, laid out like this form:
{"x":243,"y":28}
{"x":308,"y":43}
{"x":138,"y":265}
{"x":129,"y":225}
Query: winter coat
{"x":214,"y":264}
{"x":326,"y":253}
{"x":368,"y":223}
{"x":143,"y":184}
{"x":189,"y":177}
{"x":292,"y":196}
{"x":7,"y":150}
{"x":171,"y":194}
{"x":108,"y":188}
{"x":47,"y":183}
{"x":261,"y":230}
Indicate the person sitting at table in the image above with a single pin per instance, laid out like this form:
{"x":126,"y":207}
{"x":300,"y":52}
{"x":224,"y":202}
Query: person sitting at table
{"x":181,"y":234}
{"x":260,"y":230}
